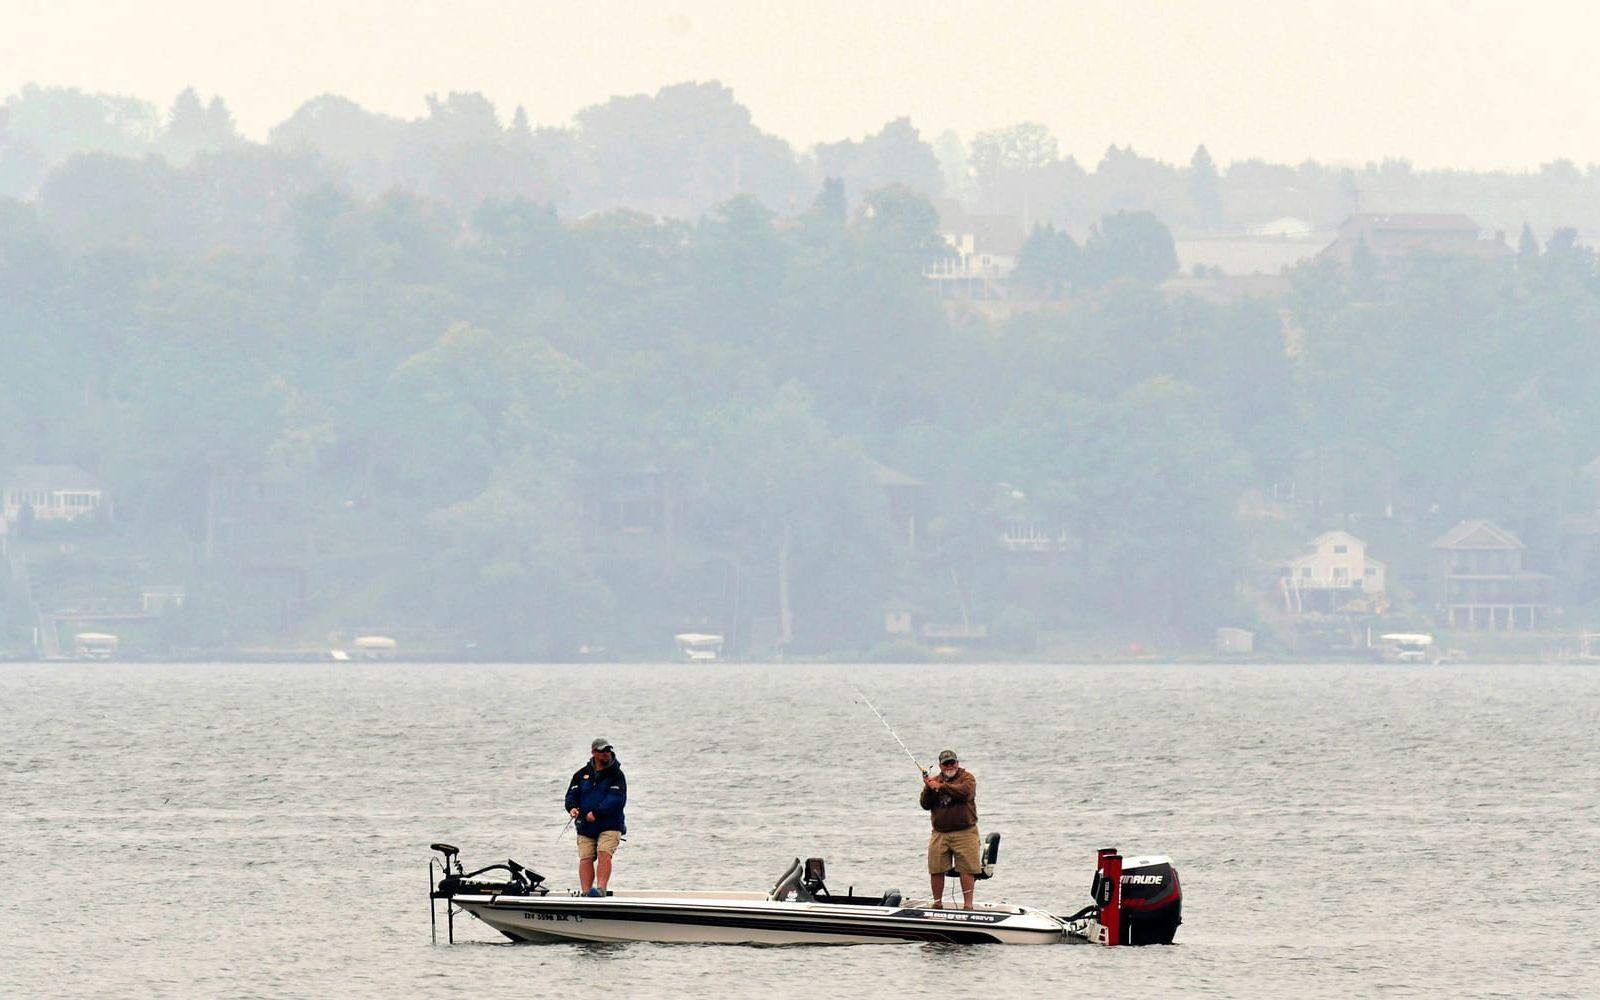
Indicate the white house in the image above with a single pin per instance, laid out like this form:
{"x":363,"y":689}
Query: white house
{"x":1283,"y":226}
{"x":52,"y":493}
{"x":984,"y":250}
{"x":1334,"y":574}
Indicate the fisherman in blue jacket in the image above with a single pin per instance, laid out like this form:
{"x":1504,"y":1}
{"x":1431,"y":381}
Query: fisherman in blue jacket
{"x":596,"y":798}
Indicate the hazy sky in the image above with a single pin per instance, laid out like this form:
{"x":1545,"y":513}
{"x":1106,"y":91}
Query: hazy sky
{"x":1442,"y":82}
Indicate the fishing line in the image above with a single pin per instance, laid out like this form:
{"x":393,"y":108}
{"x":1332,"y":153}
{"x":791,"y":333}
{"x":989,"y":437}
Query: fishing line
{"x":920,"y":769}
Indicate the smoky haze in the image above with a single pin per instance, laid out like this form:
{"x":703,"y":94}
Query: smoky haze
{"x":564,"y":377}
{"x":1443,"y":83}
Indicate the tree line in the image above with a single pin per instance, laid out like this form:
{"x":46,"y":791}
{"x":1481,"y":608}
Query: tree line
{"x":537,"y":433}
{"x":690,"y":146}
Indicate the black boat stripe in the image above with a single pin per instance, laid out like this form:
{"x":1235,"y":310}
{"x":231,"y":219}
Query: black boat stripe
{"x":931,"y":934}
{"x":583,"y":908}
{"x":599,"y":911}
{"x":928,"y":929}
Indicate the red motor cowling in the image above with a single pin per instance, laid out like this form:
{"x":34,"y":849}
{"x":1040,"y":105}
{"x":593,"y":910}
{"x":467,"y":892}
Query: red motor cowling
{"x":1139,"y":899}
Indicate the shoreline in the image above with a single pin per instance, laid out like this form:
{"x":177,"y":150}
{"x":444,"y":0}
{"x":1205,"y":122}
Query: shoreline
{"x":988,"y":661}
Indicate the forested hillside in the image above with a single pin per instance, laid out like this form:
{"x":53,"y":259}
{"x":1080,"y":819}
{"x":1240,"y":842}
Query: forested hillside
{"x":424,"y":376}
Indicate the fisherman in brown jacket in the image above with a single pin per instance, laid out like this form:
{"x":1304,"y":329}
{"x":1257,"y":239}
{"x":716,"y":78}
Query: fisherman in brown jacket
{"x":952,"y":797}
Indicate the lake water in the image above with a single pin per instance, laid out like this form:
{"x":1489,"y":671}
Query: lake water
{"x":262,"y":830}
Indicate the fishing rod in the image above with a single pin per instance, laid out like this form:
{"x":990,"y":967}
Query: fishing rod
{"x":922,"y":770}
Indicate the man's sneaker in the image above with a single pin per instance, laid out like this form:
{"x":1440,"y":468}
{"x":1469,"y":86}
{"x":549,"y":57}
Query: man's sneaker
{"x":595,"y":892}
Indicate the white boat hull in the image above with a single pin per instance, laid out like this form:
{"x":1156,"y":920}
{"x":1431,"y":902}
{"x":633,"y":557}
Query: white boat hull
{"x":751,"y":919}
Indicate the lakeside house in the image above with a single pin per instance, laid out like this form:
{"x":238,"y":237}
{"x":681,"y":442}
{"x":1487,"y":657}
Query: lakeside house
{"x":1334,"y":574}
{"x":985,"y":250}
{"x":1580,"y":543}
{"x":51,"y":493}
{"x":903,"y":495}
{"x":646,"y":500}
{"x":1262,"y":251}
{"x":1479,"y":581}
{"x":1392,"y":237}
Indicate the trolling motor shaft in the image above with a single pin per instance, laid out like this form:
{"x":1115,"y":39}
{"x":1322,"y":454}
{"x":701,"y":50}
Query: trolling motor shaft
{"x":455,"y":881}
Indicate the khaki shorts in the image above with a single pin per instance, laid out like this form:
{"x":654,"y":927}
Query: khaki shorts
{"x":960,"y":846}
{"x":606,"y":843}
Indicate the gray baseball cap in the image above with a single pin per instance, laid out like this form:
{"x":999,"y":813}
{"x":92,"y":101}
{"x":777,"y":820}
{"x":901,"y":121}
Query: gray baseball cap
{"x":948,"y":757}
{"x":600,"y":744}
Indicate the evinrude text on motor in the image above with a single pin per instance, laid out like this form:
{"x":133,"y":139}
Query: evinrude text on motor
{"x":798,"y":909}
{"x":1136,"y":901}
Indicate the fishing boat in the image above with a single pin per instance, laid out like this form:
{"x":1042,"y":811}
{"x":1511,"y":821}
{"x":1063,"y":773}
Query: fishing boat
{"x":801,"y":909}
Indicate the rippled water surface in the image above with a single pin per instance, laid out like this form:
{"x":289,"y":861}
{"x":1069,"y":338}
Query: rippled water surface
{"x":262,"y":830}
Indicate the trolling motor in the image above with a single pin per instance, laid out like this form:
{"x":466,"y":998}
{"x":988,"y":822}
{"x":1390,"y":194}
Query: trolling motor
{"x":454,"y":881}
{"x":1136,"y":901}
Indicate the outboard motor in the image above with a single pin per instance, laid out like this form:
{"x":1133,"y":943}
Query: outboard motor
{"x":815,"y":881}
{"x":1136,"y":900}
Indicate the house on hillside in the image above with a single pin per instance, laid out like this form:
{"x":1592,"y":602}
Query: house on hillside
{"x":1263,"y":251}
{"x":904,"y":496}
{"x":1284,"y":227}
{"x":1580,"y":544}
{"x":901,"y":618}
{"x":1333,"y":574}
{"x":1024,"y":529}
{"x":646,"y":500}
{"x":51,"y":493}
{"x":1479,"y":581}
{"x":985,"y":250}
{"x":1393,"y":237}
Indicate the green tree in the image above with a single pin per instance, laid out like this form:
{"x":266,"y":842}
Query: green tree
{"x":523,"y":245}
{"x":365,"y":144}
{"x":21,"y":165}
{"x":899,"y":228}
{"x":677,"y":153}
{"x":472,"y":396}
{"x":1010,"y":167}
{"x":830,"y":209}
{"x":738,"y":264}
{"x":1205,"y":189}
{"x":797,"y":502}
{"x":1048,"y":264}
{"x":953,"y":163}
{"x":60,"y":122}
{"x":204,"y":396}
{"x":1527,"y":246}
{"x":1133,"y":245}
{"x":1000,"y":152}
{"x":895,"y":155}
{"x":510,"y":573}
{"x":193,"y":128}
{"x":97,"y":201}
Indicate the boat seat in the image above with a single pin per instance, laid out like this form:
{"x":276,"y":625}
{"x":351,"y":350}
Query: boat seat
{"x":788,"y":883}
{"x":892,"y":898}
{"x":989,"y":854}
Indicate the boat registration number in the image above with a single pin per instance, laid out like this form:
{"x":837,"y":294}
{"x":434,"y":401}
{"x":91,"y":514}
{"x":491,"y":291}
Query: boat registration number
{"x":567,"y":917}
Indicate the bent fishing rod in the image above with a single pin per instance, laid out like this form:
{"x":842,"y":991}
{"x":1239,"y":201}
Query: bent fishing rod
{"x":920,"y":769}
